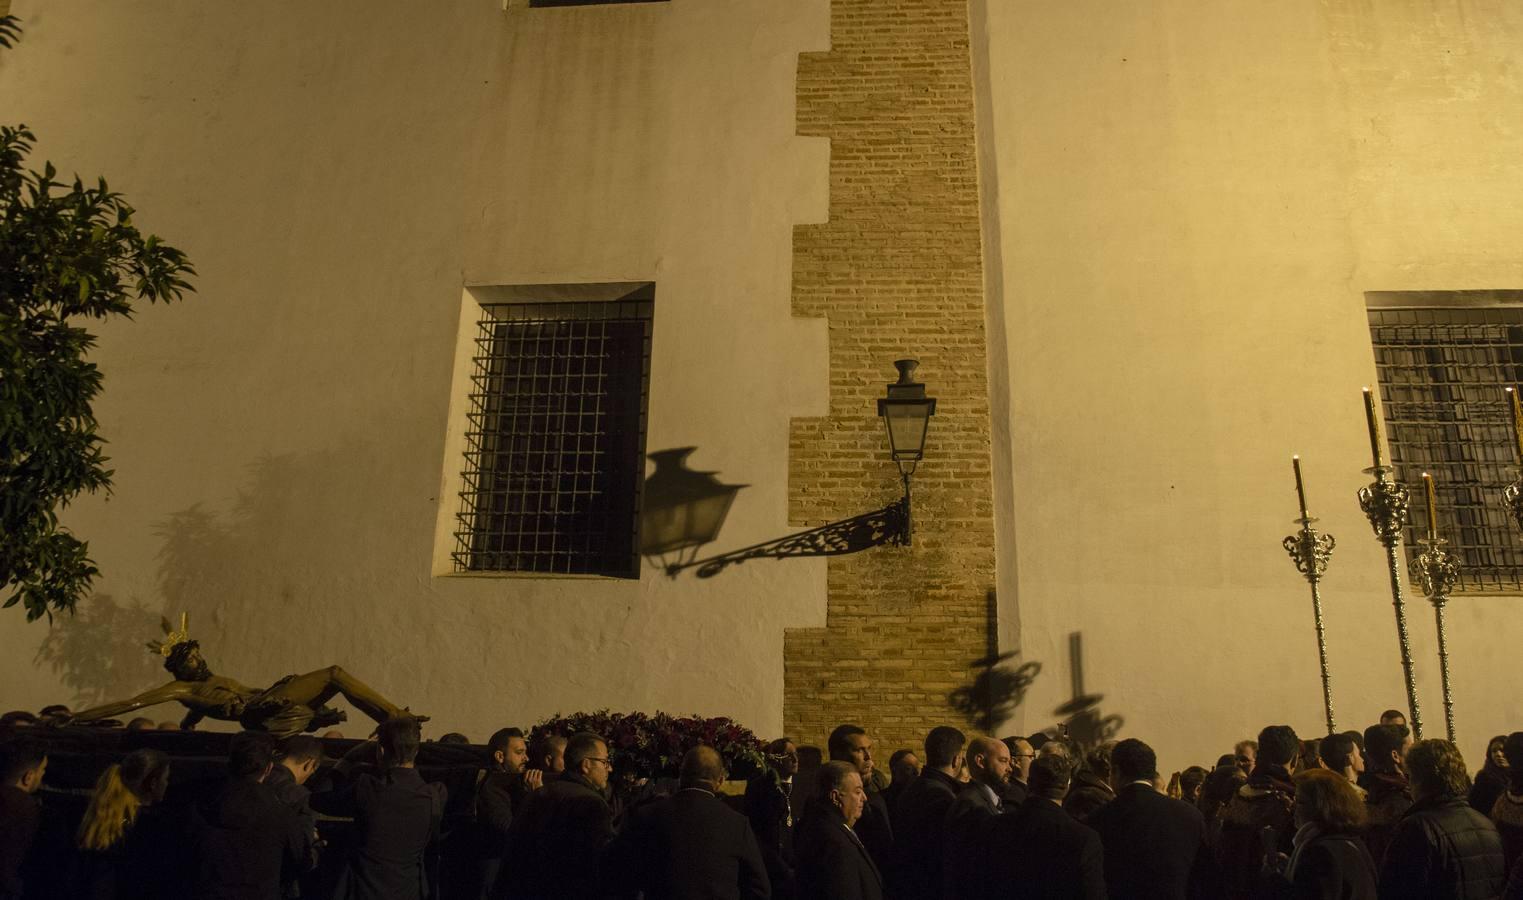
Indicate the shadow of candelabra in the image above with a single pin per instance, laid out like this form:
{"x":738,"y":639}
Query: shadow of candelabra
{"x":996,"y":690}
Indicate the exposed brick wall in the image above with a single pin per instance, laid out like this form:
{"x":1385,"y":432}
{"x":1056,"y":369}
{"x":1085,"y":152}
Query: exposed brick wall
{"x":897,"y":271}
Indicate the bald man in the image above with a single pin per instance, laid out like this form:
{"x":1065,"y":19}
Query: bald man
{"x":979,"y":801}
{"x":690,"y":844}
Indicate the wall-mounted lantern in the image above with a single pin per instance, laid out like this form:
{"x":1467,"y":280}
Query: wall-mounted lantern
{"x":906,"y":412}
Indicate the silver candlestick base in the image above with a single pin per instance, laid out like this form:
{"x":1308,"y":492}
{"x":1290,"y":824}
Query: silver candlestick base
{"x":1384,"y":503}
{"x":1311,"y":551}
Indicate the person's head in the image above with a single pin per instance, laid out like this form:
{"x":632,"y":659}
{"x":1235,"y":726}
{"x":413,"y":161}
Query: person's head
{"x":454,"y":737}
{"x":23,"y":762}
{"x":1437,"y":770}
{"x":1097,"y":761}
{"x":1393,"y":717}
{"x":1512,"y":751}
{"x":1226,"y":759}
{"x":18,"y":718}
{"x":1246,"y":755}
{"x":1278,"y":746}
{"x":850,"y":743}
{"x":904,"y":766}
{"x":587,"y":756}
{"x":185,"y":663}
{"x":1495,"y":758}
{"x":1328,"y":800}
{"x":989,"y":762}
{"x":139,"y":780}
{"x":1133,"y":761}
{"x":1190,"y":782}
{"x":1022,"y":754}
{"x":1220,"y":785}
{"x":943,"y":749}
{"x":783,"y":757}
{"x":508,"y":750}
{"x":398,"y":740}
{"x":141,"y":723}
{"x":548,"y":753}
{"x":1340,"y":754}
{"x":301,"y":754}
{"x":703,"y":768}
{"x":1048,"y":778}
{"x":1385,"y":747}
{"x":840,"y":785}
{"x":1310,"y":756}
{"x":250,"y":754}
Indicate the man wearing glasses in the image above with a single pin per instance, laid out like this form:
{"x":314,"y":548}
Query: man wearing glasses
{"x":558,"y":841}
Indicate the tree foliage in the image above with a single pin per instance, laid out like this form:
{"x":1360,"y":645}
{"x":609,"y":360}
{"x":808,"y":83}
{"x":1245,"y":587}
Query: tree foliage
{"x":68,"y":253}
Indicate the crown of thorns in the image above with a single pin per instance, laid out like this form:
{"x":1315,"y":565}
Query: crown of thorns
{"x":172,"y":637}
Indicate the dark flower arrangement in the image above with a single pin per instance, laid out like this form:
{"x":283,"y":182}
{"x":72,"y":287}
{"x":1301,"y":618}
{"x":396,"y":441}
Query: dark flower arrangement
{"x":651,"y":746}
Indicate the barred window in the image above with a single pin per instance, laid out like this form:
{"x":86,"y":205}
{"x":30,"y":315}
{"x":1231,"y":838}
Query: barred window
{"x":1442,"y":374}
{"x":555,"y":441}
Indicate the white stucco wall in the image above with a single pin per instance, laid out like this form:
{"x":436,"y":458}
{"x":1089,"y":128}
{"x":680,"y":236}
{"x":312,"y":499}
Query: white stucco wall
{"x":1193,"y":198}
{"x":338,"y":173}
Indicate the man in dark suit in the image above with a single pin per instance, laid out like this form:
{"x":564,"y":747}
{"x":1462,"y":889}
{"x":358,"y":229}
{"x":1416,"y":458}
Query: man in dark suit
{"x":691,"y":845}
{"x":833,"y":864}
{"x":22,"y":765}
{"x":770,"y":805}
{"x":556,"y":845}
{"x":1153,"y":843}
{"x":505,"y":788}
{"x":920,"y":818}
{"x":1038,"y":851}
{"x":396,"y":814}
{"x":978,"y":802}
{"x":850,"y":744}
{"x":241,"y":836}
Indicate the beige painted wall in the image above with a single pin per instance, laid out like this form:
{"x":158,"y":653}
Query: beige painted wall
{"x":1192,"y":198}
{"x":338,"y":172}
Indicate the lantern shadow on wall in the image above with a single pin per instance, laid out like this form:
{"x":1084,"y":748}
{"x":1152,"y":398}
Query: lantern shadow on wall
{"x":683,"y":509}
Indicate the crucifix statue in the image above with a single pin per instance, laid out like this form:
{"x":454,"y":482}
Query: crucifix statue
{"x":290,"y":706}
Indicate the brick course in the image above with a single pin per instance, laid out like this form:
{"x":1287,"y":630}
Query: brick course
{"x":897,"y":271}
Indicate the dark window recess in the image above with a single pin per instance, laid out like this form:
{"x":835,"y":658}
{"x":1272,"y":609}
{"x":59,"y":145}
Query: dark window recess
{"x":539,"y":3}
{"x":555,"y":447}
{"x":1442,"y":374}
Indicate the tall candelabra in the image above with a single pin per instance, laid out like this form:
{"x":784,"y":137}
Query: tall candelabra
{"x":1436,"y":570}
{"x":1384,"y":503}
{"x":1311,"y":550}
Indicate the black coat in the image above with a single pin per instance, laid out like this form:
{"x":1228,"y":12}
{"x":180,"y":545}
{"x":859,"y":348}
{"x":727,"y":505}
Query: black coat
{"x":1153,"y":843}
{"x":689,"y":846}
{"x":19,"y":818}
{"x":1443,"y":850}
{"x":877,"y":831}
{"x":833,"y":864}
{"x":145,"y":864}
{"x":919,"y":825}
{"x":396,"y":815}
{"x":241,"y":839}
{"x":1329,"y":867}
{"x":967,"y":818}
{"x":557,"y":843}
{"x":769,"y":806}
{"x":1040,"y":852}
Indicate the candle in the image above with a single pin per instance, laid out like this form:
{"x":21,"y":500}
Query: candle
{"x":1517,"y":420}
{"x":1373,"y":420}
{"x":1432,"y":506}
{"x":1295,"y":463}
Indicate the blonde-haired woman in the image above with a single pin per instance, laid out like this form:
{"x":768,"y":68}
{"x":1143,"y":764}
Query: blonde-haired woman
{"x":123,"y":844}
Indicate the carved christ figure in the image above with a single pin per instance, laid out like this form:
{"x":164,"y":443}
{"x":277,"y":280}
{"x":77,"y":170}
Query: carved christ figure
{"x":290,"y":706}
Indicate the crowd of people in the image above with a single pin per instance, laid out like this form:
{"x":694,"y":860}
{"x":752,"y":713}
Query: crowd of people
{"x":1353,"y":815}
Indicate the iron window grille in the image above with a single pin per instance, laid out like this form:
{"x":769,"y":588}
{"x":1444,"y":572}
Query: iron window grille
{"x":1442,"y":374}
{"x":555,"y":443}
